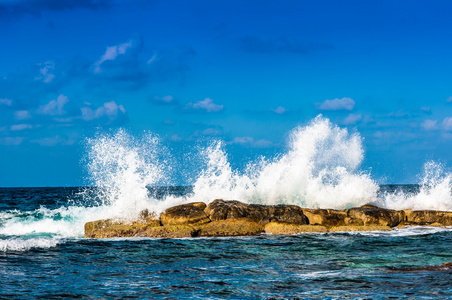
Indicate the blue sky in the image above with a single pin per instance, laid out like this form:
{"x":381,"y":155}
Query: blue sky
{"x":246,"y":72}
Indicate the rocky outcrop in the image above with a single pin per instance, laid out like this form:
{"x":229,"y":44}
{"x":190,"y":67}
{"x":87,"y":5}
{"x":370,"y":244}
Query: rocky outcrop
{"x":224,"y":210}
{"x":191,"y":213}
{"x":230,"y":227}
{"x":427,"y":217}
{"x":287,"y":228}
{"x":235,"y":218}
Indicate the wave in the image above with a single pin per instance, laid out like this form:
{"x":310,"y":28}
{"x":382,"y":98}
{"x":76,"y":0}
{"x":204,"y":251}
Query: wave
{"x":319,"y":169}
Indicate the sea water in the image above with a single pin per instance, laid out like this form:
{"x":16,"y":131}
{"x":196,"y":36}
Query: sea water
{"x":43,"y":252}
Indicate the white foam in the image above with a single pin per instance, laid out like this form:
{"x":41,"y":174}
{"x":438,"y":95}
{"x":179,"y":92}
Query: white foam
{"x":17,"y":244}
{"x":320,"y":170}
{"x":435,"y":191}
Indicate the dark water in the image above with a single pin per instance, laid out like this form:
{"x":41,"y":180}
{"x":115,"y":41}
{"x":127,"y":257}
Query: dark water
{"x":51,"y":264}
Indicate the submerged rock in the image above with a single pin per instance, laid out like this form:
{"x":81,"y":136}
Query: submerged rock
{"x":235,"y":218}
{"x":444,"y":267}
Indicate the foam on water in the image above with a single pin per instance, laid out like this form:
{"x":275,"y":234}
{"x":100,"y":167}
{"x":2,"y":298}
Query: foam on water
{"x":19,"y":244}
{"x":319,"y":169}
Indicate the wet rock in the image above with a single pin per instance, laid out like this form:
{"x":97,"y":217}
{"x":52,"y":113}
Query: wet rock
{"x":114,"y":228}
{"x":372,"y":215}
{"x":190,"y":213}
{"x":170,"y":231}
{"x":234,"y":218}
{"x":230,"y":227}
{"x":227,"y":210}
{"x":351,"y":228}
{"x":326,"y":217}
{"x":444,"y":267}
{"x":286,"y":228}
{"x":427,"y":217}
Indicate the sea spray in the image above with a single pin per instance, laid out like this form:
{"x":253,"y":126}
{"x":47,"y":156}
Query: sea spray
{"x":122,"y":167}
{"x":319,"y":170}
{"x":435,"y":191}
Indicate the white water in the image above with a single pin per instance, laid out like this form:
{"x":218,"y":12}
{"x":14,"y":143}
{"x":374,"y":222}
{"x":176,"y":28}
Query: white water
{"x":319,"y":169}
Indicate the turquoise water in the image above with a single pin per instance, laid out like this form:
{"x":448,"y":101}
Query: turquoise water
{"x":50,"y":264}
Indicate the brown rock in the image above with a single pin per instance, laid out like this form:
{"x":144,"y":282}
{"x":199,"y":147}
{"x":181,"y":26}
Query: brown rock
{"x":326,"y":217}
{"x":359,"y":228}
{"x":285,"y":228}
{"x":170,"y":231}
{"x":444,"y":267}
{"x":231,"y":227}
{"x":114,"y":228}
{"x":372,"y":215}
{"x":190,"y":213}
{"x":428,"y":217}
{"x":228,"y":210}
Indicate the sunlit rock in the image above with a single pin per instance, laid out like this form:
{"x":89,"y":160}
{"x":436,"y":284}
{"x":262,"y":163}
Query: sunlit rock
{"x":190,"y":213}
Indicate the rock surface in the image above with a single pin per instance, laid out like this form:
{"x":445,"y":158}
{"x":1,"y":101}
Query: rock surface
{"x":234,"y":218}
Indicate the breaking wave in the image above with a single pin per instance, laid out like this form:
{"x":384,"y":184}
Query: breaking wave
{"x":319,"y":169}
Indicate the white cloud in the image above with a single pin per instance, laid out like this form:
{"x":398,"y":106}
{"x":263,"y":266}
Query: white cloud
{"x":429,"y":125}
{"x":45,"y":71}
{"x":57,"y":140}
{"x":165,"y":100}
{"x":207,"y":104}
{"x":111,"y":53}
{"x":11,"y":141}
{"x":449,"y":99}
{"x":447,"y":123}
{"x":6,"y":102}
{"x":211,"y":132}
{"x":22,"y":114}
{"x":21,"y":127}
{"x":337,"y":104}
{"x":426,"y":109}
{"x":109,"y":109}
{"x":247,"y":140}
{"x":279,"y":110}
{"x":152,"y":59}
{"x":54,"y":107}
{"x":352,"y":119}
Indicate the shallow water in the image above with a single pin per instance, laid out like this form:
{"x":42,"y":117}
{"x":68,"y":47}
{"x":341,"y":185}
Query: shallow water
{"x":55,"y":264}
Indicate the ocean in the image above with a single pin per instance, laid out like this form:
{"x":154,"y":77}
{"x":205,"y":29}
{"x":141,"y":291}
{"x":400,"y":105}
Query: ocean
{"x":43,"y":252}
{"x":43,"y":256}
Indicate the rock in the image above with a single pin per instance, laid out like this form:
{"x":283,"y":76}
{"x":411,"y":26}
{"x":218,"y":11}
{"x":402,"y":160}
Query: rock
{"x":372,"y":215}
{"x":190,"y":213}
{"x":427,"y":217}
{"x":226,"y":210}
{"x":230,"y":227}
{"x":234,"y":218}
{"x":444,"y":267}
{"x":359,"y":228}
{"x":325,"y":217}
{"x":170,"y":231}
{"x":285,"y":228}
{"x":113,"y":228}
